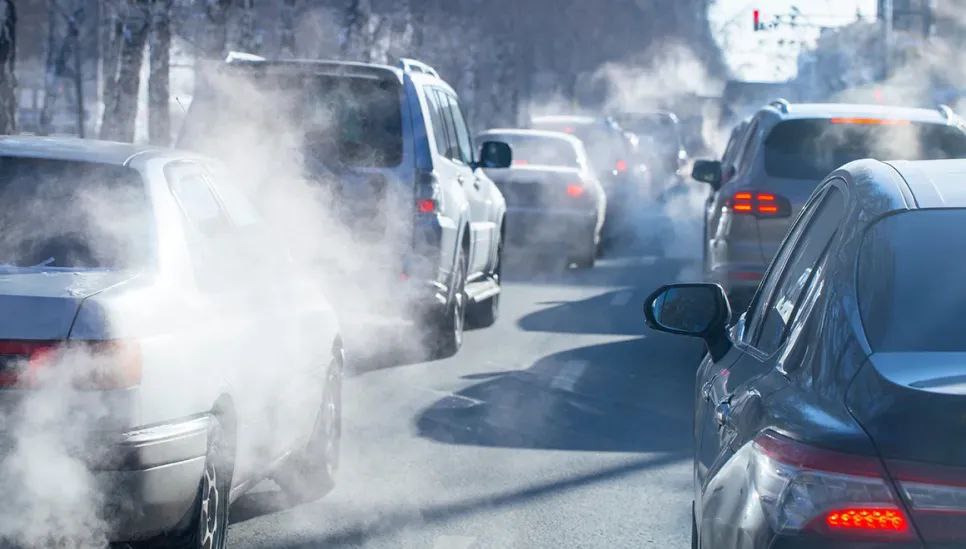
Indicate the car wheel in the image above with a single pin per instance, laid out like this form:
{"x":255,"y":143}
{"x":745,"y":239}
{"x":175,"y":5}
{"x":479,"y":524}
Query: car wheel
{"x":310,"y":474}
{"x":588,"y":257}
{"x":206,"y":524}
{"x":446,"y":332}
{"x":485,"y":313}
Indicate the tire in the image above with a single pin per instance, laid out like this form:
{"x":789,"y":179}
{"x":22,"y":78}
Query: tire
{"x":445,"y":333}
{"x":310,"y":474}
{"x":485,"y":313}
{"x":206,"y":524}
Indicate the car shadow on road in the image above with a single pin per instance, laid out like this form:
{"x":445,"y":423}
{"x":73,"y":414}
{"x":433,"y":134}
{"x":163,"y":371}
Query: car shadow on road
{"x":627,"y":396}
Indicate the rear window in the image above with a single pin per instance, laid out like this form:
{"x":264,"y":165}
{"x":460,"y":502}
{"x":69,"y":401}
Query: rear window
{"x":72,"y":215}
{"x":533,"y":150}
{"x":339,"y":121}
{"x":910,"y":282}
{"x":811,"y":149}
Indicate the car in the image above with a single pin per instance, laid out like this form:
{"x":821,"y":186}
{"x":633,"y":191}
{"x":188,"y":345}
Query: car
{"x":661,"y":142}
{"x":554,"y":199}
{"x":826,"y":415}
{"x":774,"y":163}
{"x":177,"y":356}
{"x":393,"y":147}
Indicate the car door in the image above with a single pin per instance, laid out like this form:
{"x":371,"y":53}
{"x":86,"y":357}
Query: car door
{"x":462,"y":157}
{"x":730,"y":390}
{"x":729,"y":168}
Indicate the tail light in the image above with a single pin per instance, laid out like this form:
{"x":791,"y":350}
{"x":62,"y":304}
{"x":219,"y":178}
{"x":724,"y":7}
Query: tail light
{"x":760,"y":204}
{"x":86,"y":365}
{"x":807,"y":489}
{"x":620,"y":166}
{"x":936,"y":496}
{"x":427,"y":193}
{"x":575,"y":190}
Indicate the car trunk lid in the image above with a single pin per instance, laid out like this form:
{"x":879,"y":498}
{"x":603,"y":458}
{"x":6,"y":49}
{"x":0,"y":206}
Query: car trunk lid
{"x":542,"y":187}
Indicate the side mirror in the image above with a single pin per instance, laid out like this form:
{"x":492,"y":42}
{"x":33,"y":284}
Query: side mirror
{"x":697,"y":310}
{"x":707,"y":171}
{"x":495,"y":154}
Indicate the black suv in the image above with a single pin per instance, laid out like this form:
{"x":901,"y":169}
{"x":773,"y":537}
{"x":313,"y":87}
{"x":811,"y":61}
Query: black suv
{"x":393,"y":149}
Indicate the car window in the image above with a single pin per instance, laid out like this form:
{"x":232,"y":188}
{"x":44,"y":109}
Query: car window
{"x":198,"y":203}
{"x":462,"y":132}
{"x":440,"y":131}
{"x":748,"y":147}
{"x":452,"y":150}
{"x":798,"y":272}
{"x":911,"y":270}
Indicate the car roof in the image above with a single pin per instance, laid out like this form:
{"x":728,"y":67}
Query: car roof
{"x":318,"y":66}
{"x":834,"y":110}
{"x":74,"y":149}
{"x":575,"y":119}
{"x":532,"y":133}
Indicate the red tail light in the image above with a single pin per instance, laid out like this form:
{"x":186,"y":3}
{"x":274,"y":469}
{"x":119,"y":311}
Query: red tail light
{"x":759,"y":204}
{"x":806,"y":488}
{"x":620,"y":166}
{"x":426,"y":206}
{"x":90,"y":365}
{"x":936,"y":496}
{"x":575,"y":190}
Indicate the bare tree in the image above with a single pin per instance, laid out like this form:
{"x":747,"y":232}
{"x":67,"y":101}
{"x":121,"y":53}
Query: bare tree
{"x":215,"y":28}
{"x":358,"y":30}
{"x":8,"y":78}
{"x":159,"y":93}
{"x":63,"y":60}
{"x":111,"y":32}
{"x":247,"y":38}
{"x":120,"y":113}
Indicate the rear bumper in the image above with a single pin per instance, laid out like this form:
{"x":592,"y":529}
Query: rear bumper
{"x":569,"y":230}
{"x":149,"y":477}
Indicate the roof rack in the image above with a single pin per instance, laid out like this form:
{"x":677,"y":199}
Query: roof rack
{"x":780,"y":104}
{"x":244,"y":57}
{"x":946,"y":111}
{"x":412,"y":65}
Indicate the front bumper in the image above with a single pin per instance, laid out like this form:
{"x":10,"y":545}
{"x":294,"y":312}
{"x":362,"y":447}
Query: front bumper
{"x":149,"y":477}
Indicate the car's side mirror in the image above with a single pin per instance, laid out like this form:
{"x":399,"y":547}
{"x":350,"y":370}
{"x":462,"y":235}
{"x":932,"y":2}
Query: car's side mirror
{"x":495,"y":154}
{"x":707,"y":171}
{"x":697,"y":310}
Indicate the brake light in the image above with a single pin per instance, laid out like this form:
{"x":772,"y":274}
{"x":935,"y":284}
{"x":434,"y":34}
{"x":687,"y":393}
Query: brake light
{"x":620,"y":166}
{"x":86,"y":365}
{"x":569,"y":129}
{"x":760,"y":204}
{"x":575,"y":190}
{"x":426,"y":205}
{"x":805,"y":488}
{"x":862,"y":518}
{"x":520,"y":162}
{"x":871,"y":121}
{"x":936,"y":496}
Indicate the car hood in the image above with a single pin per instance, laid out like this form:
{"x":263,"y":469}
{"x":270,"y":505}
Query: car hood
{"x":913,"y":405}
{"x":43,"y":304}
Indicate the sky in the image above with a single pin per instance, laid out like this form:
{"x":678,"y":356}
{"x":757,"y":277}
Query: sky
{"x":770,"y":55}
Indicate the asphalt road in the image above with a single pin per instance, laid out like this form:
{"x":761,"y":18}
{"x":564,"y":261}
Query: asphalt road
{"x":563,"y":425}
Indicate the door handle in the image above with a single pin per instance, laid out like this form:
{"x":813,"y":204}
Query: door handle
{"x":476,"y":183}
{"x":460,"y":179}
{"x":722,"y":413}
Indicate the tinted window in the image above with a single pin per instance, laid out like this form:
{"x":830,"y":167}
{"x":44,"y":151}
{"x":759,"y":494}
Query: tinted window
{"x":462,"y":132}
{"x":798,"y":272}
{"x":544,"y":151}
{"x":911,"y":272}
{"x":440,"y":131}
{"x":339,"y":120}
{"x":452,"y":151}
{"x":811,"y":149}
{"x":196,"y":200}
{"x":59,"y":214}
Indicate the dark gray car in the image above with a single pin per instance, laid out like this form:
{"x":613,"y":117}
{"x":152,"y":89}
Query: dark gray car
{"x":776,"y":158}
{"x":831,"y":414}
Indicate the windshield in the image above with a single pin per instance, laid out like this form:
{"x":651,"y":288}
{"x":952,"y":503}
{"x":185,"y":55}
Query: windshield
{"x":537,"y":150}
{"x":74,"y":215}
{"x":911,"y":274}
{"x":811,"y":149}
{"x":340,"y":121}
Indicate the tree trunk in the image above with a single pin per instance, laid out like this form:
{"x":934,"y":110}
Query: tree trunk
{"x":119,"y":115}
{"x":358,"y":29}
{"x":286,"y":29}
{"x":215,"y":28}
{"x":8,"y":78}
{"x":111,"y":29}
{"x":159,"y":115}
{"x":247,"y":37}
{"x":53,"y":65}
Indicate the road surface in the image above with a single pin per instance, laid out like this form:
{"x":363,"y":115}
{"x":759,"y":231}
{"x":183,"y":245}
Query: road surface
{"x":563,"y":425}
